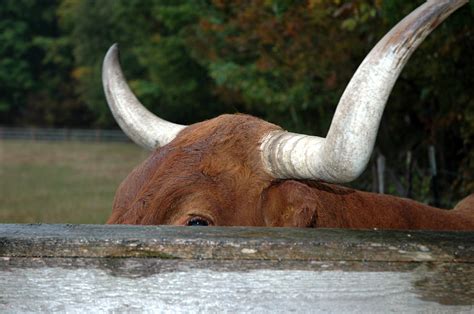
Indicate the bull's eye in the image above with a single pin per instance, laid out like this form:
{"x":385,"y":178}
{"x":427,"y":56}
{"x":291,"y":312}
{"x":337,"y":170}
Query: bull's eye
{"x":197,"y":221}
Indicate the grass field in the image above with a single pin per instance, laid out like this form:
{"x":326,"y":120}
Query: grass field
{"x":62,"y":182}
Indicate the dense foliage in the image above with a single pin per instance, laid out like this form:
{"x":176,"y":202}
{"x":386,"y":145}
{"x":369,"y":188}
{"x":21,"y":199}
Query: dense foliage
{"x":285,"y":61}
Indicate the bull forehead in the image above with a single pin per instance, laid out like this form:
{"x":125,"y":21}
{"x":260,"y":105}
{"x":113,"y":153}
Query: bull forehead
{"x":237,"y":130}
{"x":213,"y":168}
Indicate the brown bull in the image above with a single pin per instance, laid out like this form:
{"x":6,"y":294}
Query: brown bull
{"x":240,"y":170}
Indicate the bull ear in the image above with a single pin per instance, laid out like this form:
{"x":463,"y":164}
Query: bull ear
{"x":290,"y":204}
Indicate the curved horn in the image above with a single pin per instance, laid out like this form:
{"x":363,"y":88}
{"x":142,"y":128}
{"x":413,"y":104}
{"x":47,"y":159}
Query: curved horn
{"x":140,"y":125}
{"x":344,"y":153}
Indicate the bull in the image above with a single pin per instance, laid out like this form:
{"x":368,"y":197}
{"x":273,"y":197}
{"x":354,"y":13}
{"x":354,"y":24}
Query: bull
{"x":238,"y":170}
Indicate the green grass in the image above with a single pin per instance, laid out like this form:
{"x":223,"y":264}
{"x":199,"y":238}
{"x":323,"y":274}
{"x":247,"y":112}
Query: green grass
{"x":62,"y":182}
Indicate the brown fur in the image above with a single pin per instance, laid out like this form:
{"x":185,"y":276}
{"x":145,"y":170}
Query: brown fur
{"x":213,"y":170}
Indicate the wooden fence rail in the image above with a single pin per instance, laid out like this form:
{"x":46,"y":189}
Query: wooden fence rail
{"x":233,"y":269}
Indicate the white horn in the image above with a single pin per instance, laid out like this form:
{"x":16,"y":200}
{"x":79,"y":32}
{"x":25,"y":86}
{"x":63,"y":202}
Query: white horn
{"x":343,"y":155}
{"x":140,"y":125}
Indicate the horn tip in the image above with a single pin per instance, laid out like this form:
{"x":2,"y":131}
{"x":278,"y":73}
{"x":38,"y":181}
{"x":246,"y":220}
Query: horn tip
{"x":113,"y":52}
{"x":113,"y":49}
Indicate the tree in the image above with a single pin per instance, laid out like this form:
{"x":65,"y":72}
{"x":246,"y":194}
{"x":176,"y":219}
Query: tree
{"x":155,"y":55}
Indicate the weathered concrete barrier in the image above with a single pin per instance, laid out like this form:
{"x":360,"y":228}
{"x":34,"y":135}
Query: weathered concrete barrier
{"x":130,"y":268}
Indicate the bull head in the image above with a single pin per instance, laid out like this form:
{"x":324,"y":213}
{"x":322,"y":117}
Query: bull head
{"x":238,"y":161}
